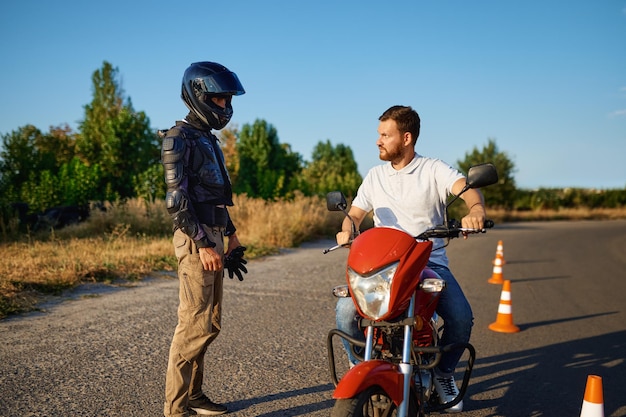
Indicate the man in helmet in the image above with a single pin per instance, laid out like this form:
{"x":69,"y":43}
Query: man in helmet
{"x":198,"y":194}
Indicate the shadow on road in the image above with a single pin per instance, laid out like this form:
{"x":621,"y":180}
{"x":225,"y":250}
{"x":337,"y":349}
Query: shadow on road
{"x":241,"y":406}
{"x":537,"y":279}
{"x":549,"y":322}
{"x":547,"y":371}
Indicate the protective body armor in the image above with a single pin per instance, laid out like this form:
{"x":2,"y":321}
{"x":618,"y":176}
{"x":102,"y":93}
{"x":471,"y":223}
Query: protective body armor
{"x":198,"y":186}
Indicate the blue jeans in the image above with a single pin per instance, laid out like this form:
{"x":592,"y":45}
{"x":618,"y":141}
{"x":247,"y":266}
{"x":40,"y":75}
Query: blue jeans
{"x":453,"y":308}
{"x":347,"y":318}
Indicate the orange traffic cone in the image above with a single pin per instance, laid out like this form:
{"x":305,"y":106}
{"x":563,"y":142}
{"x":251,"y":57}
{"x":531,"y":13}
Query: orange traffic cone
{"x":593,"y":403}
{"x":499,"y":254}
{"x":504,"y":320}
{"x":496,"y":276}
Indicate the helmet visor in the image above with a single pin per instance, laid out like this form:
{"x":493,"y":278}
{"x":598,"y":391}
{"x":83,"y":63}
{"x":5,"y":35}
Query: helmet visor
{"x":225,"y":83}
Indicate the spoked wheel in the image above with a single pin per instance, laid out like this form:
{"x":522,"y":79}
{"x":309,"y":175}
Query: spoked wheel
{"x":373,"y":402}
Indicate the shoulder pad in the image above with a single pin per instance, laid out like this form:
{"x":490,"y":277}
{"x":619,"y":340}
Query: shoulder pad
{"x":172,"y":149}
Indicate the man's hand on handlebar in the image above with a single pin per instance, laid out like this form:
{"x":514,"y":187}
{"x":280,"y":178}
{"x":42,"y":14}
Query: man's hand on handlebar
{"x":343,"y":237}
{"x":475,"y":219}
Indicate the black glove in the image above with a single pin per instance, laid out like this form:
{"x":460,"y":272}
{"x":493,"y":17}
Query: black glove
{"x":234,"y":262}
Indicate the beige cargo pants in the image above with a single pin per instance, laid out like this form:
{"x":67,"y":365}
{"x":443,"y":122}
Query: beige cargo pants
{"x":199,"y":321}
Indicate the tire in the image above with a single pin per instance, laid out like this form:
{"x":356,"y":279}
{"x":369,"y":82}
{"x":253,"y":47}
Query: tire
{"x":373,"y":402}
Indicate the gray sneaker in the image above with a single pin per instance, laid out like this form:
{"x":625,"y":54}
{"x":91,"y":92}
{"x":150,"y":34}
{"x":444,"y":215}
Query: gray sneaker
{"x":206,"y":407}
{"x":448,"y":391}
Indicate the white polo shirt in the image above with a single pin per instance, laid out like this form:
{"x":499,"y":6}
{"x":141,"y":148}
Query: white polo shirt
{"x":412,"y":199}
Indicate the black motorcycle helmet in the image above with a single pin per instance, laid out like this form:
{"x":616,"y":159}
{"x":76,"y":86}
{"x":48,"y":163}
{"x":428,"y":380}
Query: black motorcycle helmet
{"x":203,"y":80}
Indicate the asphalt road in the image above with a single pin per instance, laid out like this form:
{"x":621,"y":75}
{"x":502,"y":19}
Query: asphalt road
{"x":102,"y":351}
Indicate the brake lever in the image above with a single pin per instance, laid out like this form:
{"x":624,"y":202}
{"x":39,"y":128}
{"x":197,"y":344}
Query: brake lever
{"x":471,"y":230}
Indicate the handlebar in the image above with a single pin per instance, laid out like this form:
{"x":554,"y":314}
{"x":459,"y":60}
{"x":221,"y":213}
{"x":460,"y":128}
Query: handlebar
{"x":453,"y":230}
{"x":345,"y":245}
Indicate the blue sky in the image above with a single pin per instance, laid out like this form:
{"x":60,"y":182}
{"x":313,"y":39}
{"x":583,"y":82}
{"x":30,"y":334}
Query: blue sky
{"x":545,"y":79}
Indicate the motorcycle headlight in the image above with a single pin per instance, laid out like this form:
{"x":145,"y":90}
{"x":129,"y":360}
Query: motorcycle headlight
{"x":372,"y":292}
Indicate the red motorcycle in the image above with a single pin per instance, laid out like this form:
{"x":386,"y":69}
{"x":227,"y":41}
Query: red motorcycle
{"x":396,"y":296}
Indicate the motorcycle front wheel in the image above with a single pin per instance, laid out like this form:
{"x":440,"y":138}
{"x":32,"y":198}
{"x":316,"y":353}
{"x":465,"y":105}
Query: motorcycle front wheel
{"x":373,"y":402}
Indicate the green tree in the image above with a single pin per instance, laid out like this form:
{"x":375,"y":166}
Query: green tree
{"x":78,"y":182}
{"x":26,"y":153}
{"x":115,"y":137}
{"x":18,"y":158}
{"x":332,"y":168}
{"x":267,"y":168}
{"x":149,"y":184}
{"x":73,"y":184}
{"x":544,"y":199}
{"x":59,"y":145}
{"x":41,"y":191}
{"x":503,"y":193}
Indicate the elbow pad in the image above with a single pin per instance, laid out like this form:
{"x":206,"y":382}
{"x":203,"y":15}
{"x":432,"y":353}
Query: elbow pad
{"x":177,"y":206}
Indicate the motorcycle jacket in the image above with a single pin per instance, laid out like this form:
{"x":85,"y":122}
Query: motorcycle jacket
{"x":198,"y":186}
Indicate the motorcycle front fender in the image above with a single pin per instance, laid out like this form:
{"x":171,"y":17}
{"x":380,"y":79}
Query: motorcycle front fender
{"x":374,"y":372}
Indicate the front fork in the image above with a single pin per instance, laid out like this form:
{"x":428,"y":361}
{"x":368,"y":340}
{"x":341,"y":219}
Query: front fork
{"x":406,"y":369}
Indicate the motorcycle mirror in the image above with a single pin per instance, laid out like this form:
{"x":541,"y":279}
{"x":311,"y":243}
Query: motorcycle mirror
{"x":482,"y":175}
{"x":478,"y":176}
{"x":335,"y":201}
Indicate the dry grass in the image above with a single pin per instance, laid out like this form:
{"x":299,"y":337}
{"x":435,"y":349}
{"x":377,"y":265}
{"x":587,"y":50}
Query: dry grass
{"x":31,"y":270}
{"x":129,"y":241}
{"x":265,"y":226}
